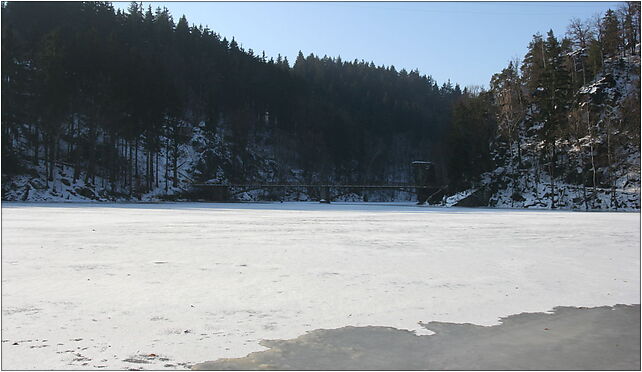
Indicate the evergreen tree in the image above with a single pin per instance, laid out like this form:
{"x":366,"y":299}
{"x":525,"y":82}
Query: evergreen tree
{"x":506,"y":87}
{"x":611,"y":35}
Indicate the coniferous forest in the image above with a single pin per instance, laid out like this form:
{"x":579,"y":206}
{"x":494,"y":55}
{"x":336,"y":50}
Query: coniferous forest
{"x":110,"y":105}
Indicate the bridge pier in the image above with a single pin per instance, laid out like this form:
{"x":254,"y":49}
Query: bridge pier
{"x":220,"y":194}
{"x":424,"y":172}
{"x":422,"y":195}
{"x":324,"y":194}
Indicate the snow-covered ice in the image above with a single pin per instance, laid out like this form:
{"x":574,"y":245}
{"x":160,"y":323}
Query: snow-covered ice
{"x":156,"y":286}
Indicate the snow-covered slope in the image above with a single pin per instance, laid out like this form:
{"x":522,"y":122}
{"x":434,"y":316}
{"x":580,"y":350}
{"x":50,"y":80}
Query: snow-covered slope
{"x":201,"y":148}
{"x":598,"y":167}
{"x":205,"y":157}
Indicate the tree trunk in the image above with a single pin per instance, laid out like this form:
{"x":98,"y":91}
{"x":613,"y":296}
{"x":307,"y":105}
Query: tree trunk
{"x":175,"y":162}
{"x":150,"y":154}
{"x":166,"y":166}
{"x":583,"y":73}
{"x":113,"y":172}
{"x":47,"y":163}
{"x":157,"y":161}
{"x":92,"y":152}
{"x":148,"y":171}
{"x":136,"y":175}
{"x":537,"y":181}
{"x":76,"y":156}
{"x":130,"y":172}
{"x":592,"y":159}
{"x":610,"y":160}
{"x":552,"y":174}
{"x":36,"y":146}
{"x":52,"y":157}
{"x":519,"y":150}
{"x":70,"y":131}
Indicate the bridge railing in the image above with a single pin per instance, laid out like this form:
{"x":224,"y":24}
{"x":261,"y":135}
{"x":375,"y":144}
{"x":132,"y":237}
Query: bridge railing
{"x":258,"y":185}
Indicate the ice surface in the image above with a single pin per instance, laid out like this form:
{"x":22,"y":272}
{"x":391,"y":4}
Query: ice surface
{"x":157,"y":286}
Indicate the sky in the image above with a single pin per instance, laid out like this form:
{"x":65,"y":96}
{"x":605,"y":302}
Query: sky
{"x":464,"y":42}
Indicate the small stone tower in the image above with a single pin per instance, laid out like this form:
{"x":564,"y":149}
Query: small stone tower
{"x":424,"y":172}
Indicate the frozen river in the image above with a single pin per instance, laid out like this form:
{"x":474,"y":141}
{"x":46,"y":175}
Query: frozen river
{"x":155,"y":286}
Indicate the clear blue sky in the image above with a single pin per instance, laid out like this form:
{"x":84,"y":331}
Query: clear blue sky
{"x":466,"y":42}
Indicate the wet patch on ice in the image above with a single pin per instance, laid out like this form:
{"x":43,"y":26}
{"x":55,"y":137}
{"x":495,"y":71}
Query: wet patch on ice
{"x":16,"y":310}
{"x":567,"y":338}
{"x":145,"y":358}
{"x":88,"y":267}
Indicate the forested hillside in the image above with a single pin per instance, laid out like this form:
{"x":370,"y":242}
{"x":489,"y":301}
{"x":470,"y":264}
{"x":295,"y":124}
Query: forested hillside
{"x":111,"y":98}
{"x":101,"y":104}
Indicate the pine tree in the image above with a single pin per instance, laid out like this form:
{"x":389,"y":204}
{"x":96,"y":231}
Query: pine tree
{"x":506,"y":87}
{"x":182,"y":28}
{"x":534,"y":65}
{"x":611,"y":35}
